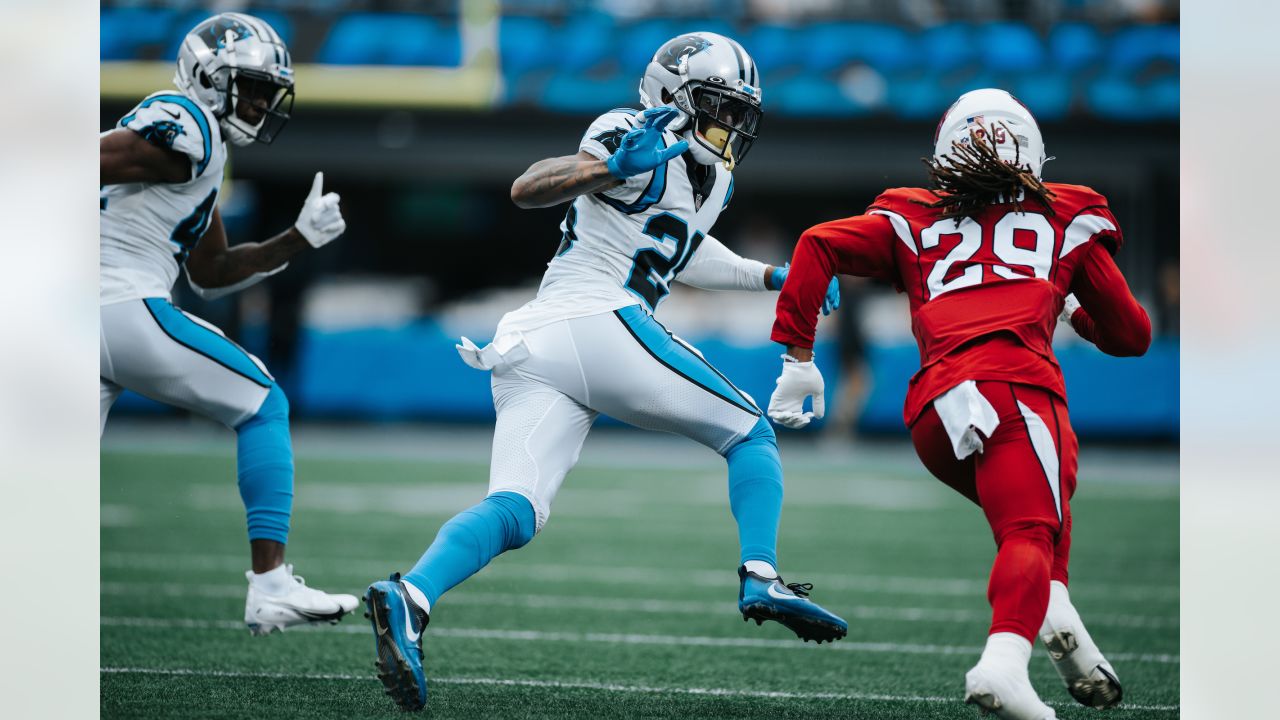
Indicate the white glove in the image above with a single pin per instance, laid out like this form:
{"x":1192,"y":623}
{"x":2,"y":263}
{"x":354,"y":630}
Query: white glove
{"x":798,"y":381}
{"x":320,"y":221}
{"x":1069,"y":308}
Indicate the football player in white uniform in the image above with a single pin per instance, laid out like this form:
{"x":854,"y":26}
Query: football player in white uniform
{"x":161,"y":170}
{"x":646,"y":189}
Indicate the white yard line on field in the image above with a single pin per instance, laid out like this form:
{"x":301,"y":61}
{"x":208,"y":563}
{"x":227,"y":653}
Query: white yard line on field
{"x":621,"y":639}
{"x":640,"y":575}
{"x":653,"y":606}
{"x":581,"y":685}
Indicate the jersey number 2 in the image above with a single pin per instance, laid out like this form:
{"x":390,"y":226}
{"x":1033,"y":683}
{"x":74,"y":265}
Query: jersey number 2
{"x":651,"y":264}
{"x":1038,"y":258}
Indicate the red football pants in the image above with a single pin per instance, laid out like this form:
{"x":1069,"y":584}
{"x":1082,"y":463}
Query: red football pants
{"x":1023,"y":480}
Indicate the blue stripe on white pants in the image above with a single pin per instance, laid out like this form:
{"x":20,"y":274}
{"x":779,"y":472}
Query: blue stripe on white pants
{"x":206,"y":341}
{"x":680,"y":358}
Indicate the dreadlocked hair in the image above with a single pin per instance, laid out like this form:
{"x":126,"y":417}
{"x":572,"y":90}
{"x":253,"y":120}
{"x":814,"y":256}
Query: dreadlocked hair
{"x":974,"y":176}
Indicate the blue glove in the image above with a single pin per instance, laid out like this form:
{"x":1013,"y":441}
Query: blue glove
{"x":641,"y":149}
{"x":829,"y":303}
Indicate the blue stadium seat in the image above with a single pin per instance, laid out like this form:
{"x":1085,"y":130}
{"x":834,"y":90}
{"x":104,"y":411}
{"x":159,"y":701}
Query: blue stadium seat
{"x":1134,"y":48}
{"x":583,"y":42}
{"x":829,"y":46}
{"x":1119,"y":97}
{"x":638,"y":42}
{"x":918,"y":96}
{"x":575,"y":93}
{"x":524,"y":44}
{"x":391,"y":39}
{"x":1010,"y":47}
{"x":1074,"y":46}
{"x":123,"y":32}
{"x":775,"y":48}
{"x":1048,"y":95}
{"x":948,"y":47}
{"x":1163,"y":97}
{"x":1116,"y":97}
{"x":812,"y":96}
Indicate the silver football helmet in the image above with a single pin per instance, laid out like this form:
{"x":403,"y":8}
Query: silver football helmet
{"x":714,"y":82}
{"x":237,"y":66}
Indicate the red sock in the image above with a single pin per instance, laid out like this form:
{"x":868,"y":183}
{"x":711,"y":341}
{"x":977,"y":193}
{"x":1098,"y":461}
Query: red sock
{"x":1062,"y":552}
{"x":1019,"y":587}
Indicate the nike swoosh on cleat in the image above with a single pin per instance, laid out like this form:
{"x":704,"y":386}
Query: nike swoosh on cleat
{"x":408,"y":622}
{"x":320,"y":616}
{"x":773,"y":593}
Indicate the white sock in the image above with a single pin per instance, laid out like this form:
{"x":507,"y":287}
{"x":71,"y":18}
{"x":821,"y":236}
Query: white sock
{"x":1062,"y":615}
{"x":276,"y":581}
{"x":418,"y":597}
{"x":761,"y":568}
{"x":1008,"y":651}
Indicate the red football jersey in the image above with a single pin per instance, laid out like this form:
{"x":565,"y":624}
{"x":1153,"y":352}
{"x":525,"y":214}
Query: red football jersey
{"x":985,"y":291}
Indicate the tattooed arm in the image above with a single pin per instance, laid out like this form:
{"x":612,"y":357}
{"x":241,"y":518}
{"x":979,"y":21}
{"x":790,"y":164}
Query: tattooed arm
{"x":212,"y":264}
{"x":555,"y":180}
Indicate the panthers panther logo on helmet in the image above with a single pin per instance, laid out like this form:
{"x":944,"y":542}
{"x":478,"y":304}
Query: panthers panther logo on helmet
{"x":676,"y":50}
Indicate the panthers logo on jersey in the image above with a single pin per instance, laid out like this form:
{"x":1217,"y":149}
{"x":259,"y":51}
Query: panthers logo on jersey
{"x":162,"y":133}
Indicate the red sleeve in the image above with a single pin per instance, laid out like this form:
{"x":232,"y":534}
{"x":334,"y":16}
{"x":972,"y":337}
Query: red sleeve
{"x":860,"y":245}
{"x":1109,"y":316}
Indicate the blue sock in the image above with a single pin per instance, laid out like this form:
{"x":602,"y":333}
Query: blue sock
{"x":501,"y":522}
{"x":755,"y":493}
{"x":264,"y":464}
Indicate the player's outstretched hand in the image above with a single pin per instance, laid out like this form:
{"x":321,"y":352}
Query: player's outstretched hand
{"x":798,"y":381}
{"x":641,"y":149}
{"x":830,"y":301}
{"x":320,"y":221}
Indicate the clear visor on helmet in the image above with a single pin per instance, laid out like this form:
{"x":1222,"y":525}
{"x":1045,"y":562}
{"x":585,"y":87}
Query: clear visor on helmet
{"x":260,"y":104}
{"x":726,"y":121}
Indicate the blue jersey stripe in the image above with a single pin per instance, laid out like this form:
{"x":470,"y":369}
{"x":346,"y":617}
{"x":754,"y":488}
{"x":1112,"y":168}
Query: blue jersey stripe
{"x":187,"y":104}
{"x":198,"y":338}
{"x":679,"y":358}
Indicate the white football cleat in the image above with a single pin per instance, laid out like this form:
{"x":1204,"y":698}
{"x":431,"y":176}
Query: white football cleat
{"x":296,"y":604}
{"x":999,"y":683}
{"x":1005,"y":694}
{"x":1089,"y":677}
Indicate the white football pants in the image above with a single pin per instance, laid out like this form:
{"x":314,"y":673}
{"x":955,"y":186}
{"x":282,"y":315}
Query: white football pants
{"x":549,"y":385}
{"x":153,"y":348}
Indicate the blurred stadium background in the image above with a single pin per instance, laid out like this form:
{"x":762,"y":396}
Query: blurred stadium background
{"x":422,"y":113}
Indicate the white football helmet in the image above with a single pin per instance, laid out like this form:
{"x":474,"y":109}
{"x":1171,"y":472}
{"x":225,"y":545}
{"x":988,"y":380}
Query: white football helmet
{"x":982,"y":111}
{"x":714,"y":82}
{"x":237,"y":66}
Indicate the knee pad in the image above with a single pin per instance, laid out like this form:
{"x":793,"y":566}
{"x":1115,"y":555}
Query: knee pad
{"x":761,"y":434}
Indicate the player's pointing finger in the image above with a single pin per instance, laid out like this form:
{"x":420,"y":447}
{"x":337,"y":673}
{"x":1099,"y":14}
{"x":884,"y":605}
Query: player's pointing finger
{"x":317,"y":186}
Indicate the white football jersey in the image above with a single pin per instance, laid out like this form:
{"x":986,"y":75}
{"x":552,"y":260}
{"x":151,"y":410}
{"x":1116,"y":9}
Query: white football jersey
{"x":147,"y":229}
{"x":626,"y":245}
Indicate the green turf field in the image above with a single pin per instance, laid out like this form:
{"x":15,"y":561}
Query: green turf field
{"x":624,"y":605}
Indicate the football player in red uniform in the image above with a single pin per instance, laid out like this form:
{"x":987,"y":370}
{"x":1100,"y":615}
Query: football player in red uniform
{"x":990,"y":258}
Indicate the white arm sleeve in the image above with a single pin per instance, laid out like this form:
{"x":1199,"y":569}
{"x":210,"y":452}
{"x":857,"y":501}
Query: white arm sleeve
{"x":716,"y":267}
{"x":215,"y":293}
